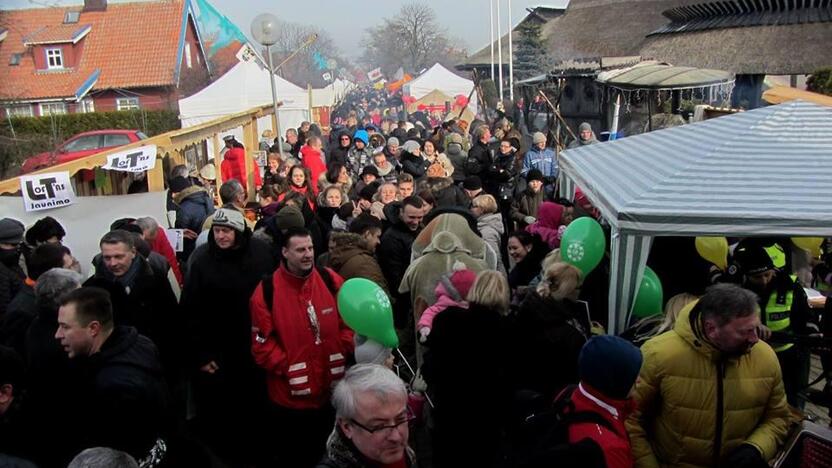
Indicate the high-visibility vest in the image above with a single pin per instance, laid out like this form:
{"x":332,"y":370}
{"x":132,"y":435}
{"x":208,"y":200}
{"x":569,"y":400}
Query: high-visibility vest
{"x":777,"y":255}
{"x":778,"y":313}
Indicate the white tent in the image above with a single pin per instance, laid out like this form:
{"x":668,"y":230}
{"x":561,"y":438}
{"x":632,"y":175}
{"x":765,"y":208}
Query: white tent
{"x":245,"y":86}
{"x":439,"y":77}
{"x":330,"y":95}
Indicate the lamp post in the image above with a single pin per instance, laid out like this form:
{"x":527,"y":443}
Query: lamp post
{"x":264,"y":31}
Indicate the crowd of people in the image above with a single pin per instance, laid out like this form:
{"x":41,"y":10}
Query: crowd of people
{"x":232,"y":352}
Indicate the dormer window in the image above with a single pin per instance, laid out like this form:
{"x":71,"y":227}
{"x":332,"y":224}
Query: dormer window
{"x":54,"y":58}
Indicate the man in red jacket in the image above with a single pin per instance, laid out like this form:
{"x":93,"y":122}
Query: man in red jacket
{"x":234,"y":164}
{"x":608,"y":368}
{"x":303,"y":345}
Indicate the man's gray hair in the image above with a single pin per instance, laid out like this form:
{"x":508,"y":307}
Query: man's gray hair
{"x":724,"y":302}
{"x":180,"y":170}
{"x":54,"y":284}
{"x":229,"y":190}
{"x":147,"y":223}
{"x":103,"y":457}
{"x":363,"y":378}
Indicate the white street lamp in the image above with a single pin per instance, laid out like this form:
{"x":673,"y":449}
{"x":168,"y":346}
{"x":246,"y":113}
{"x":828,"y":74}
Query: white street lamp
{"x":264,"y":30}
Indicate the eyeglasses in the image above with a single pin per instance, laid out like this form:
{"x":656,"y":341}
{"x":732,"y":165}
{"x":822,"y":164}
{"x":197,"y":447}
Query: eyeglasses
{"x":385,"y":430}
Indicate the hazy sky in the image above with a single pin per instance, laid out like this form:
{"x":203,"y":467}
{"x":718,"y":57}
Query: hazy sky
{"x":345,"y":20}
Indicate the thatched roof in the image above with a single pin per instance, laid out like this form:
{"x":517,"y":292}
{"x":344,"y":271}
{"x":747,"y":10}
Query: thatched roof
{"x":792,"y":49}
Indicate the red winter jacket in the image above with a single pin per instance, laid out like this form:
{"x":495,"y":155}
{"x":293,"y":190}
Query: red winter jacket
{"x":312,"y":160}
{"x":300,"y":373}
{"x":234,"y":167}
{"x":161,"y":245}
{"x":616,"y":445}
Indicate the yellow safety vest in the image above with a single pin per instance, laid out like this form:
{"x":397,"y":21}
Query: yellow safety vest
{"x":777,"y":314}
{"x":777,"y":255}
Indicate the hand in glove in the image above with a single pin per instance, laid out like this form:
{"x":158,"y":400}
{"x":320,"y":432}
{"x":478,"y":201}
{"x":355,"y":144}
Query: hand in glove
{"x":418,"y":384}
{"x":529,"y":219}
{"x":423,"y":334}
{"x":745,"y":456}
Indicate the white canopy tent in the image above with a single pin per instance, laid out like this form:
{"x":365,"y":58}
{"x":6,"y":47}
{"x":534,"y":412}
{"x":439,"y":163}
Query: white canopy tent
{"x":245,"y":86}
{"x":766,"y":172}
{"x":330,"y":95}
{"x":439,"y":77}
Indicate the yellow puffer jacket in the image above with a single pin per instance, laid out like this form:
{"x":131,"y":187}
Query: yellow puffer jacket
{"x":678,"y":396}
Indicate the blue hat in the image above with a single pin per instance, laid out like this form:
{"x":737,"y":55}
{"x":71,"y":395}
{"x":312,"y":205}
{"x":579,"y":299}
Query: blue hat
{"x":362,"y":135}
{"x":610,"y":365}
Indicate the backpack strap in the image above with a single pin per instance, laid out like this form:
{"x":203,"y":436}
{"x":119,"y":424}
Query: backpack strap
{"x":328,"y":280}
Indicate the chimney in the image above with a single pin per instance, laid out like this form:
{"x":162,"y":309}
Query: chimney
{"x":95,"y":5}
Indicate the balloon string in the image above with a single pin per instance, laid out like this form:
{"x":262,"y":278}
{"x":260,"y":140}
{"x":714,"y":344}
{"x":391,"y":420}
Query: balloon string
{"x":412,"y":372}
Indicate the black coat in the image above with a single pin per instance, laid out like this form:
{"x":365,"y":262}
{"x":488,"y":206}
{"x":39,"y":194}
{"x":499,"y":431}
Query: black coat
{"x":479,"y":161}
{"x":150,"y":307}
{"x":124,"y":383}
{"x":394,"y":249}
{"x":19,"y":315}
{"x":417,"y":166}
{"x":445,"y":192}
{"x":11,"y":281}
{"x":526,"y":270}
{"x":338,"y":153}
{"x":548,"y":336}
{"x":502,"y":176}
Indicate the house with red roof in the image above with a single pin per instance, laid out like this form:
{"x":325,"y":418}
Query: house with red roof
{"x":99,"y":57}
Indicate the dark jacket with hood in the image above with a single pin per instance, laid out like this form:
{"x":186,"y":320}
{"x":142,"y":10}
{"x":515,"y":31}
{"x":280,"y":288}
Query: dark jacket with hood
{"x":457,"y":155}
{"x":414,"y":165}
{"x":445,"y":192}
{"x":338,"y":153}
{"x":502,"y":175}
{"x":143,"y":298}
{"x":394,"y":249}
{"x":548,"y":336}
{"x":193,"y":205}
{"x":350,"y":257}
{"x":123,"y":383}
{"x":11,"y":278}
{"x":479,"y":160}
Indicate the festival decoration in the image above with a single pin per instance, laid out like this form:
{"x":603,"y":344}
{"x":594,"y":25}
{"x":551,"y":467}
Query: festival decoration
{"x":366,"y":309}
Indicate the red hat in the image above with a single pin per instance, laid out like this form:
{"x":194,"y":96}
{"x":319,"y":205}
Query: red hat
{"x":459,"y":283}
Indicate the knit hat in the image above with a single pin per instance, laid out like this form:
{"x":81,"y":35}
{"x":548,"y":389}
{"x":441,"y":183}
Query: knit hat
{"x":11,"y":231}
{"x":392,"y":141}
{"x":538,"y":137}
{"x":753,"y":259}
{"x":472,"y":183}
{"x":456,"y":138}
{"x":411,"y":146}
{"x":610,"y":365}
{"x":584,"y":126}
{"x":534,"y":174}
{"x":459,"y":283}
{"x":229,"y":217}
{"x":208,"y":172}
{"x":369,"y":170}
{"x":178,"y":184}
{"x":289,"y":217}
{"x":362,"y":135}
{"x":436,"y":170}
{"x":368,"y":351}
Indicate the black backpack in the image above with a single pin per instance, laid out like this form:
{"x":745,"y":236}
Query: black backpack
{"x":541,"y":439}
{"x":268,"y":286}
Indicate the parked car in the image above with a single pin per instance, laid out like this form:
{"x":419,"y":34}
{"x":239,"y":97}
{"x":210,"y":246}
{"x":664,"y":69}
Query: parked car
{"x":81,"y":145}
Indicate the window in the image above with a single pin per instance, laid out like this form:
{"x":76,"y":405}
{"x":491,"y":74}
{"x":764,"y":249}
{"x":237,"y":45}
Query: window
{"x":15,"y":59}
{"x":85,"y":106}
{"x":83,"y":143}
{"x":21,"y":110}
{"x":116,"y":140}
{"x":52,"y":108}
{"x":54,"y":58}
{"x":188,"y":55}
{"x":127,"y":103}
{"x":72,"y":17}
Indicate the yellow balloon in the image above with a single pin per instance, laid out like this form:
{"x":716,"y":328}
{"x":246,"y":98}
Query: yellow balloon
{"x":812,"y":244}
{"x":714,"y":250}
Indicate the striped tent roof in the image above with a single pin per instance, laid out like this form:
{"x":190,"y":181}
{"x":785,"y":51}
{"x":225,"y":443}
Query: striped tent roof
{"x":762,"y":172}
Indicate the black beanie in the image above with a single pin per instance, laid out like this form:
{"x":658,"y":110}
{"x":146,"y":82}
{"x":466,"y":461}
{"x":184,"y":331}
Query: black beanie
{"x":534,"y":174}
{"x":472,"y":183}
{"x":610,"y":365}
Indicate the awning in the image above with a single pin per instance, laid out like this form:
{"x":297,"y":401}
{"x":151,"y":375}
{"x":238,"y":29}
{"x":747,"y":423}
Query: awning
{"x":663,"y":76}
{"x":764,"y":172}
{"x":781,"y":94}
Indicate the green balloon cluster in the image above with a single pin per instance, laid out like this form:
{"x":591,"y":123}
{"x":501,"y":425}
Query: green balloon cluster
{"x":583,"y":244}
{"x":650,"y":296}
{"x":366,"y":309}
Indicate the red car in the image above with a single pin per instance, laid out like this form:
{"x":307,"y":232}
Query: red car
{"x":81,"y":145}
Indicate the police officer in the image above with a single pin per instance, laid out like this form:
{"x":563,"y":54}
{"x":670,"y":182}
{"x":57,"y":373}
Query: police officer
{"x":784,"y":308}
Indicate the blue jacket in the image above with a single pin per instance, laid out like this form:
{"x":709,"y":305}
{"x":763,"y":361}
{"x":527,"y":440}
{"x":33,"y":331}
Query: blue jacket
{"x":543,"y":160}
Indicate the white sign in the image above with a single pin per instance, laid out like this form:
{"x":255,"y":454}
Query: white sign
{"x":246,"y":54}
{"x":46,"y":191}
{"x":135,"y":160}
{"x":176,"y":237}
{"x":327,"y":76}
{"x":375,"y":74}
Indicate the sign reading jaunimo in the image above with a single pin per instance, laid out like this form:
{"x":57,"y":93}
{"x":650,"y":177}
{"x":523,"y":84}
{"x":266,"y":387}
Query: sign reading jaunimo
{"x":46,"y":191}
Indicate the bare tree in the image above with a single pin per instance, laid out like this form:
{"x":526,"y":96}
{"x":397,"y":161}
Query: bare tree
{"x":413,"y":40}
{"x":304,"y":68}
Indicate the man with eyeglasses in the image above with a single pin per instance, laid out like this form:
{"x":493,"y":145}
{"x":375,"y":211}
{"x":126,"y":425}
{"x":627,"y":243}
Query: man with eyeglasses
{"x":371,"y":427}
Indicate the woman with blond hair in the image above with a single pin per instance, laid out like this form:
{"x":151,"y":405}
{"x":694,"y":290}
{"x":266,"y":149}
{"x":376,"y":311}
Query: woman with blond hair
{"x":465,"y":347}
{"x":550,"y":329}
{"x":490,"y":224}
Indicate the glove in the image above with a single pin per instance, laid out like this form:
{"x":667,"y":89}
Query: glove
{"x":529,"y":219}
{"x":745,"y":456}
{"x":418,"y":384}
{"x":423,"y":334}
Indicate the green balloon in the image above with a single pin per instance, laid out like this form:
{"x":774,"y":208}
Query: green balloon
{"x":650,"y":296}
{"x":366,"y":309}
{"x":583,"y":244}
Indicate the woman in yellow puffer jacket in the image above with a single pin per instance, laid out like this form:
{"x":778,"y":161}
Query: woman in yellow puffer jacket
{"x":699,"y":406}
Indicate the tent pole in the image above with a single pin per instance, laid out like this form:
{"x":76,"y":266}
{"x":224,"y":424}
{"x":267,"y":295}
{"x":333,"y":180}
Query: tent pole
{"x":500,"y":51}
{"x":510,"y":57}
{"x":491,"y":36}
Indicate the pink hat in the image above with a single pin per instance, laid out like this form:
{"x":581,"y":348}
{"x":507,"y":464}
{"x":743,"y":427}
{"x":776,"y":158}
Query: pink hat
{"x":460,"y":282}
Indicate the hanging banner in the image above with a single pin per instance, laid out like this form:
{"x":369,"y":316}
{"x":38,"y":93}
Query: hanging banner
{"x":134,"y":160}
{"x":327,"y":77}
{"x":46,"y":191}
{"x":375,"y":74}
